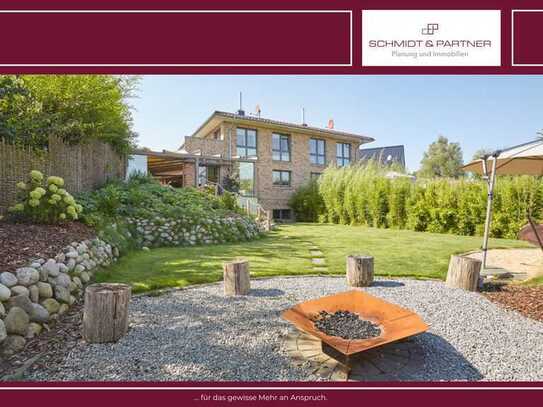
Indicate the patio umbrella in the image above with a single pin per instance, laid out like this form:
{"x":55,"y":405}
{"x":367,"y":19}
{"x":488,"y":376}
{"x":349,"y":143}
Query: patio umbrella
{"x":524,"y":159}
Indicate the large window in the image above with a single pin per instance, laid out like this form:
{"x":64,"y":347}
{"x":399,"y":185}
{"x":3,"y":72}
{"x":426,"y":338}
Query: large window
{"x":246,"y":175}
{"x":343,"y":154}
{"x":280,"y":147}
{"x":317,"y":151}
{"x":281,"y":178}
{"x":246,"y":142}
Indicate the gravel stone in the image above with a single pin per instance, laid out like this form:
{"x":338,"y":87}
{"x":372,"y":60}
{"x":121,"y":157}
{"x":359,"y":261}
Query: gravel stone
{"x":198,"y":334}
{"x":346,"y":325}
{"x":8,"y":279}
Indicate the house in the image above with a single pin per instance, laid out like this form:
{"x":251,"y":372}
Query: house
{"x":268,"y":159}
{"x":384,"y":155}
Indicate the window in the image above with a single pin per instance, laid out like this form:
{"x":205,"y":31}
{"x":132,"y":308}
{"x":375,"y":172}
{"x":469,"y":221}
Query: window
{"x":343,"y":154}
{"x":280,"y":147}
{"x":246,"y":142}
{"x":246,"y":176}
{"x":281,"y":178}
{"x":282,"y":214}
{"x":315,"y":175}
{"x":317,"y":151}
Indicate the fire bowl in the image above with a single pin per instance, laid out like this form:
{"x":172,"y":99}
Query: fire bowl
{"x":396,"y":323}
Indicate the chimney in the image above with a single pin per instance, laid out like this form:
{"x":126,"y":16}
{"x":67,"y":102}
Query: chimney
{"x":303,"y":117}
{"x":330,"y":124}
{"x":241,"y":112}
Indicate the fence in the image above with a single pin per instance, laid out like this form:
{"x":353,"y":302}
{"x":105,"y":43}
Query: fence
{"x":83,"y":166}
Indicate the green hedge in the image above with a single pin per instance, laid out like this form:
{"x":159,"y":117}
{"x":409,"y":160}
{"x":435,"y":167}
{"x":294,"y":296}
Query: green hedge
{"x":364,"y":195}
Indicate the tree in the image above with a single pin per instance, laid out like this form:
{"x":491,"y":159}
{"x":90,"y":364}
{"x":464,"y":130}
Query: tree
{"x":482,"y":152}
{"x":443,"y":159}
{"x":77,"y":108}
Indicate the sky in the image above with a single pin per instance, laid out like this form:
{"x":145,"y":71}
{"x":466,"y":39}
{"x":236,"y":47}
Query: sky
{"x":476,"y":111}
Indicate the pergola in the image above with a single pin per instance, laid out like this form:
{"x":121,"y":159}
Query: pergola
{"x":523,"y":159}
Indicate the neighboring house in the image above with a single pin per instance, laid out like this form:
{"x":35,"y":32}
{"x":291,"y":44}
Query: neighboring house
{"x":269,"y":158}
{"x":384,"y":155}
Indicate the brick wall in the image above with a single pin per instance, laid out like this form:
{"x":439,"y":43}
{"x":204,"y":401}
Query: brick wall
{"x":206,"y":146}
{"x":83,"y":167}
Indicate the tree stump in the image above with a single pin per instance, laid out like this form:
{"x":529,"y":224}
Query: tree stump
{"x":463,"y":273}
{"x":236,"y":278}
{"x":105,"y":312}
{"x":359,"y":271}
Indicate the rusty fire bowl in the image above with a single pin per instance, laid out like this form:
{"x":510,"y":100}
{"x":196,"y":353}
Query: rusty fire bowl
{"x":395,"y":322}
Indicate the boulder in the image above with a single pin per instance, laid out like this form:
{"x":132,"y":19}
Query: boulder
{"x":21,"y":301}
{"x":79,"y":269}
{"x":34,"y":293}
{"x":77,"y":281}
{"x":63,"y":309}
{"x":5,"y":292}
{"x":51,"y":305}
{"x":62,"y":280}
{"x":8,"y":279}
{"x":52,"y":268}
{"x":16,"y":321}
{"x":59,"y":258}
{"x":33,"y":330}
{"x":45,"y":290}
{"x":27,"y":276}
{"x":39,"y":314}
{"x":19,"y":290}
{"x":84,"y":277}
{"x":44,"y":275}
{"x":62,"y":294}
{"x":72,"y":254}
{"x":63,"y":268}
{"x":2,"y":311}
{"x":12,"y":345}
{"x":3,"y":332}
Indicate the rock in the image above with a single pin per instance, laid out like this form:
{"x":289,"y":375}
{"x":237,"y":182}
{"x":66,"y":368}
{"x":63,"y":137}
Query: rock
{"x":36,"y":265}
{"x":77,"y":281}
{"x":19,"y":290}
{"x":8,"y":279}
{"x":62,"y":294}
{"x":2,"y":311}
{"x":3,"y":332}
{"x":16,"y":321}
{"x":52,"y":268}
{"x":59,"y":258}
{"x":44,"y":275}
{"x":51,"y":305}
{"x":63,"y":268}
{"x":72,"y":254}
{"x":34,"y":293}
{"x":72,"y":300}
{"x":62,"y":280}
{"x":20,"y":301}
{"x":39,"y":314}
{"x":79,"y":269}
{"x":45,"y":290}
{"x":27,"y":276}
{"x":84,"y":277}
{"x":63,"y":309}
{"x":13,"y":344}
{"x":5,"y":292}
{"x":70,"y":264}
{"x":33,"y":330}
{"x":145,"y":249}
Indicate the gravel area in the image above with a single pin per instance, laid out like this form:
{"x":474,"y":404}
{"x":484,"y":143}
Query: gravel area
{"x":198,"y":334}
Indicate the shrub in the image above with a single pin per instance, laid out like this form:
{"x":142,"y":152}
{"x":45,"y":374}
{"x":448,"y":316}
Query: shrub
{"x":44,"y":201}
{"x":362,"y":194}
{"x":306,"y":202}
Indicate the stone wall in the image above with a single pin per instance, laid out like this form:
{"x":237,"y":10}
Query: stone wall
{"x":35,"y":296}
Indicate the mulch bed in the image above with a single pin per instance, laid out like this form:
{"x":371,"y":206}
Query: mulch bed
{"x":20,"y":242}
{"x":526,"y":300}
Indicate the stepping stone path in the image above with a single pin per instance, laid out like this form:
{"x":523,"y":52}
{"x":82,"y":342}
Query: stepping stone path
{"x":317,"y":260}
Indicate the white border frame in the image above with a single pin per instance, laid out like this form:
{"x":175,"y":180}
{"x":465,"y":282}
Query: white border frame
{"x":349,"y":12}
{"x":513,"y":35}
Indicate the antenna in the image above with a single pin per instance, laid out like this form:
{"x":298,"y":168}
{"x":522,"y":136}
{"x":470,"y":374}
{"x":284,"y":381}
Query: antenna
{"x":241,"y":112}
{"x":303,"y":117}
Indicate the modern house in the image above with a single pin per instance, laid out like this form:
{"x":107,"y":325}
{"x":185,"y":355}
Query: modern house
{"x":267,"y":159}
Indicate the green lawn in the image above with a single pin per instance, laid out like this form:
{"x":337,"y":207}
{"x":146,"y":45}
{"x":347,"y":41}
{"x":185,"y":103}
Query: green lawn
{"x":286,"y":252}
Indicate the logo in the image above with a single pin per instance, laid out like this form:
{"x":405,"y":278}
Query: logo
{"x":430,"y":29}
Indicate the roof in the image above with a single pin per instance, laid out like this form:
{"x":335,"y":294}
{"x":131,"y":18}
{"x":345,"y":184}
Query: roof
{"x":384,"y":155}
{"x":286,"y":125}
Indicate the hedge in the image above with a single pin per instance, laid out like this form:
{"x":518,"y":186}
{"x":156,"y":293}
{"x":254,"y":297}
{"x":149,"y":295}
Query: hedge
{"x":363,"y":195}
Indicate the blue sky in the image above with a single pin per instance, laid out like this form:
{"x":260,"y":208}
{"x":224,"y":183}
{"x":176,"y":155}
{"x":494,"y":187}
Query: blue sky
{"x":476,"y":111}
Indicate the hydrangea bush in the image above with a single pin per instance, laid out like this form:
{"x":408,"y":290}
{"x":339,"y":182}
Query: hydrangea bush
{"x":41,"y":200}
